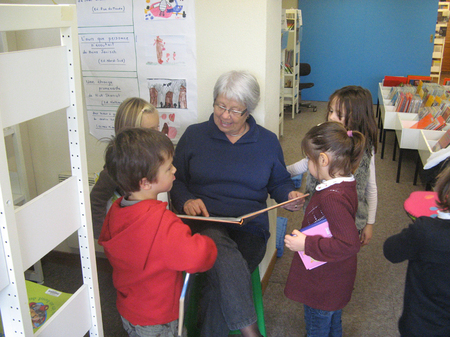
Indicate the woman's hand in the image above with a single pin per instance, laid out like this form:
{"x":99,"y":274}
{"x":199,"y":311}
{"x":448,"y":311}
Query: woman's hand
{"x":195,"y":207}
{"x":297,"y":205}
{"x":295,"y":241}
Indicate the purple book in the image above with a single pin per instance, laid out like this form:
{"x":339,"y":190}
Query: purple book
{"x":321,"y":228}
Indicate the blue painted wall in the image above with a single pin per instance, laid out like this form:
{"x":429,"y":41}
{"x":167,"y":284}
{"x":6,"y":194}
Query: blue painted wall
{"x":351,"y":42}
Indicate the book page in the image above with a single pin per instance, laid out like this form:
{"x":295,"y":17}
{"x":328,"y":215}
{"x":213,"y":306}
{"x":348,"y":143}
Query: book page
{"x":242,"y":219}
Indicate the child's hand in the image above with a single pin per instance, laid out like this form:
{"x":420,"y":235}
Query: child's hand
{"x":295,"y":241}
{"x":366,"y":234}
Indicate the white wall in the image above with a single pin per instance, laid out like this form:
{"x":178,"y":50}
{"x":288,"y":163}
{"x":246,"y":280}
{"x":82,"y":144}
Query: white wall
{"x":288,"y":4}
{"x":238,"y":35}
{"x":230,"y":35}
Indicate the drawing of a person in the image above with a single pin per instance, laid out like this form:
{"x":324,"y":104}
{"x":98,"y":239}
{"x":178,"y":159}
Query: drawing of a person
{"x":159,"y":49}
{"x":153,"y":96}
{"x":169,"y":99}
{"x":182,"y":98}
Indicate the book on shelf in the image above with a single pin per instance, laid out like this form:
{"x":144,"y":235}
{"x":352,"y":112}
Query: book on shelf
{"x":242,"y":220}
{"x":429,"y":123}
{"x":414,"y":80}
{"x":446,"y":114}
{"x":43,"y":303}
{"x":393,"y":81}
{"x":321,"y":228}
{"x":443,"y":142}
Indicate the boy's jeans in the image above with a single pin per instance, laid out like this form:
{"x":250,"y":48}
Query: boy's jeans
{"x":162,"y":330}
{"x":321,"y":323}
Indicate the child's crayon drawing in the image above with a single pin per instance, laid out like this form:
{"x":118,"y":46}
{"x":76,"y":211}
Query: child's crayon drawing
{"x":166,"y":50}
{"x":167,"y":93}
{"x":164,"y":9}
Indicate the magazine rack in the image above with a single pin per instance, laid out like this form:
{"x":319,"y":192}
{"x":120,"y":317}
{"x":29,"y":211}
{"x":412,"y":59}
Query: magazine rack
{"x":33,"y":83}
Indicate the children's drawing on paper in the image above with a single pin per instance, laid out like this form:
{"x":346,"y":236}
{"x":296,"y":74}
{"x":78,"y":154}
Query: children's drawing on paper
{"x":169,"y":96}
{"x":169,"y":127}
{"x":165,"y":9}
{"x":166,"y":50}
{"x":167,"y":93}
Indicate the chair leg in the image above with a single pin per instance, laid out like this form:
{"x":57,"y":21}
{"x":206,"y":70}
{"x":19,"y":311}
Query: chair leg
{"x":258,"y":300}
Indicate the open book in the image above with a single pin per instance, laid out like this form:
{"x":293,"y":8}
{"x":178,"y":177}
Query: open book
{"x":321,"y":228}
{"x":242,"y":220}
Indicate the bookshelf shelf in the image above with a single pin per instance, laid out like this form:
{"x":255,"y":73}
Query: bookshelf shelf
{"x":427,"y":139}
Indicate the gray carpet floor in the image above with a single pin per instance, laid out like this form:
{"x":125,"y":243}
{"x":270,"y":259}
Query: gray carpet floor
{"x":378,"y":296}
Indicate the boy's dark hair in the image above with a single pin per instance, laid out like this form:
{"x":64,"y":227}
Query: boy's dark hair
{"x":442,"y":188}
{"x":136,"y":153}
{"x":346,"y":147}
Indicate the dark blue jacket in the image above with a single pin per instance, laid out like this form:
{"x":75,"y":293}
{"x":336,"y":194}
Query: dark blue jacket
{"x":426,"y":244}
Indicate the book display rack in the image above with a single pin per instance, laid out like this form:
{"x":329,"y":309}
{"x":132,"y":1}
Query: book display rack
{"x":292,"y":60}
{"x":439,"y":40}
{"x":432,"y":114}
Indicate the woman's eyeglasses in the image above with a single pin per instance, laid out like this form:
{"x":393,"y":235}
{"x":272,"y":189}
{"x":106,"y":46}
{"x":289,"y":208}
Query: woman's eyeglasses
{"x":234,"y":113}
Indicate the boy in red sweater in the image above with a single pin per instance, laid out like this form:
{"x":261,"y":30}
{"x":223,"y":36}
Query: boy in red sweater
{"x":147,"y":245}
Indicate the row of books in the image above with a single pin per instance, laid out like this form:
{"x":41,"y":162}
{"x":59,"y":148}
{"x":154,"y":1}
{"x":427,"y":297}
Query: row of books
{"x":289,"y":62}
{"x":423,"y":89}
{"x":428,"y":122}
{"x":407,"y":102}
{"x":435,"y":111}
{"x":416,"y":99}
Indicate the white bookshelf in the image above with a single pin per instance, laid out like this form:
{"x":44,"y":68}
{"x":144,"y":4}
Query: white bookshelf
{"x":439,"y":40}
{"x":35,"y":228}
{"x":292,"y":69}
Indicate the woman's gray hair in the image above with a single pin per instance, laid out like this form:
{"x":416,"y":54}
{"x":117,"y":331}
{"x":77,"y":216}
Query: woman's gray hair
{"x":240,"y":86}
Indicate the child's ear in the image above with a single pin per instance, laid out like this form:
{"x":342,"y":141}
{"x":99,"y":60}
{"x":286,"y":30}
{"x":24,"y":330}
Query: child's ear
{"x":145,"y":184}
{"x":324,"y":160}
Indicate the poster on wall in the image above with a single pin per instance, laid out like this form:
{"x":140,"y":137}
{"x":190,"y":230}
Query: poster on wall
{"x":145,"y":49}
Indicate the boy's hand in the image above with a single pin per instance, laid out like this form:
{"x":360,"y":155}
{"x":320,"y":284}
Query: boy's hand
{"x":195,"y":207}
{"x":295,"y":241}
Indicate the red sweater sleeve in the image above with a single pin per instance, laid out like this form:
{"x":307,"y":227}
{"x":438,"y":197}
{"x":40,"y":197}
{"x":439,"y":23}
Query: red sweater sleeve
{"x":186,"y":252}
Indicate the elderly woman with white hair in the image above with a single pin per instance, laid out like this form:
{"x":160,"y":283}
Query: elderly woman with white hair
{"x":227,"y":166}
